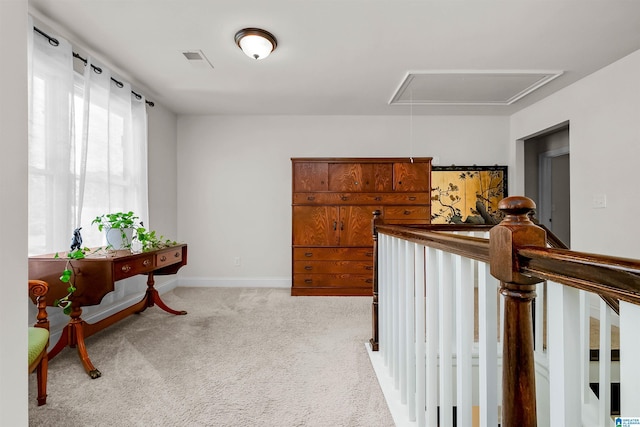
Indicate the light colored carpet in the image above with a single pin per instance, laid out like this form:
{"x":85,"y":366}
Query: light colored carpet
{"x":240,"y":357}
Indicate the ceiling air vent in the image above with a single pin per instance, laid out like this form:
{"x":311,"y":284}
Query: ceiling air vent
{"x":197,"y":59}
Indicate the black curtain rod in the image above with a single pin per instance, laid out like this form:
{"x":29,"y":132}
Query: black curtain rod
{"x":55,"y":42}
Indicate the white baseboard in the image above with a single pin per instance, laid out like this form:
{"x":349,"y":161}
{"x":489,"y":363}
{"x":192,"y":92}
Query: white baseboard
{"x":235,"y":282}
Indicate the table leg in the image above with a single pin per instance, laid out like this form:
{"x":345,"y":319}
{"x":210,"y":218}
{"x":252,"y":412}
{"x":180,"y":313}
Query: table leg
{"x":153,"y":298}
{"x":73,"y":336}
{"x":75,"y":332}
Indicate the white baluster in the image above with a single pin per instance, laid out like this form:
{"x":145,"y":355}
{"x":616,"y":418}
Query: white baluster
{"x":446,"y":285}
{"x":488,"y":346}
{"x":420,"y":331}
{"x":464,"y":288}
{"x":604,"y":393}
{"x":432,"y":298}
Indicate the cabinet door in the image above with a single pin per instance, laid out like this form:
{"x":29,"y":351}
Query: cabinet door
{"x":315,"y":226}
{"x":358,"y":177}
{"x":310,"y":176}
{"x":355,"y":225}
{"x":412,"y":177}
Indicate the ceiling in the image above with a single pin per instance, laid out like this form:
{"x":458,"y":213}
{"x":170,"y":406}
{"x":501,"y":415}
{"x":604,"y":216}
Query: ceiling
{"x":349,"y":57}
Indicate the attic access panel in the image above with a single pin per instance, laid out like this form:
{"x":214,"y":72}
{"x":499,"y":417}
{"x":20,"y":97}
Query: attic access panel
{"x":469,"y":87}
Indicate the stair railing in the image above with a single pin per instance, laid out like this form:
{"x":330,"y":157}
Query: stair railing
{"x":423,"y":319}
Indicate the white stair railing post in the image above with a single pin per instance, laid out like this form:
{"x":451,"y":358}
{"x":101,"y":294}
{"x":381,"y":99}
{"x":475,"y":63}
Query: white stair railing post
{"x":420,"y":334}
{"x":487,"y":346}
{"x":629,"y":356}
{"x":464,"y":309}
{"x":564,"y":371}
{"x":604,"y":365}
{"x":432,"y":328}
{"x":446,"y":329}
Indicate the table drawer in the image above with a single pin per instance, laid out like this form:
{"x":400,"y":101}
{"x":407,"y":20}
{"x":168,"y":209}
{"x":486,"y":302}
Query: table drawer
{"x":168,"y":257}
{"x":130,"y":267}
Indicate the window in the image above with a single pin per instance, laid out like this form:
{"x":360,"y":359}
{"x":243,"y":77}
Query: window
{"x":87,"y":148}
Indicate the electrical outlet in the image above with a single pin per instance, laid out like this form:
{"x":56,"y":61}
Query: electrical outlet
{"x":236,"y":261}
{"x":599,"y":201}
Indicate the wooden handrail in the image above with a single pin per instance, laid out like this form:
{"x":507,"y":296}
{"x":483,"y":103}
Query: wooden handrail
{"x":613,"y":277}
{"x":471,"y":247}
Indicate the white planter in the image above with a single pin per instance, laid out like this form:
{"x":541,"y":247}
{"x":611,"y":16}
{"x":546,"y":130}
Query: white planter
{"x":116,"y":240}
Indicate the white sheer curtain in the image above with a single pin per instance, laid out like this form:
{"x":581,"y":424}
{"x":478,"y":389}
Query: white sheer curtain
{"x":87,"y":148}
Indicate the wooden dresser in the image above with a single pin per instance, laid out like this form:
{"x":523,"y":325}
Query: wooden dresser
{"x":333,"y":204}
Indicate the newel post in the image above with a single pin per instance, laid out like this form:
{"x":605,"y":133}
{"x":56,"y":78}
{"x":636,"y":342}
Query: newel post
{"x":518,"y":290}
{"x":374,"y":306}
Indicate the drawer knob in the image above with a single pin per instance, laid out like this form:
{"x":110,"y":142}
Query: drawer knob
{"x":126,"y":268}
{"x":176,"y":255}
{"x":311,"y":198}
{"x":308,"y":280}
{"x":369,"y":280}
{"x":344,"y":198}
{"x":163,"y":258}
{"x":308,"y":254}
{"x":146,"y":262}
{"x":407,"y":212}
{"x":377,"y":198}
{"x":369,"y":254}
{"x":308,"y":267}
{"x":412,"y":198}
{"x":369,"y":267}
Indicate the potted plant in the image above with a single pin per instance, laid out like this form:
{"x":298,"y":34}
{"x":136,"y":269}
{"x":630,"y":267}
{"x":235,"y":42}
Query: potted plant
{"x":119,"y":228}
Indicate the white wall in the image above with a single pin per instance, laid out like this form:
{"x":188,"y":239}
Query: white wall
{"x":162,"y":170}
{"x":604,"y":114}
{"x":13,"y":213}
{"x":234,"y":179}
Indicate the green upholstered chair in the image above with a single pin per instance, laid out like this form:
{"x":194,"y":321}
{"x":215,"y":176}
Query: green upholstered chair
{"x":39,"y":338}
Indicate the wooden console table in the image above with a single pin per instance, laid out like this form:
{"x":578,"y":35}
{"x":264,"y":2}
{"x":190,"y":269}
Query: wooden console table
{"x":94,"y":277}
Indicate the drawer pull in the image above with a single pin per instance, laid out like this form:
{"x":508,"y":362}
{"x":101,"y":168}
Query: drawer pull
{"x":377,"y":198}
{"x":308,"y":280}
{"x":335,"y":225}
{"x":412,"y":198}
{"x":407,"y":212}
{"x":308,"y":267}
{"x":176,"y":255}
{"x":369,"y":267}
{"x":369,"y":280}
{"x":146,"y":262}
{"x":369,"y":254}
{"x":163,"y":258}
{"x":344,"y":198}
{"x":126,"y":268}
{"x":308,"y":254}
{"x":311,"y":198}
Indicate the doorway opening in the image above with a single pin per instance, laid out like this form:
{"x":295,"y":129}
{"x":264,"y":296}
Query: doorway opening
{"x":547,"y":179}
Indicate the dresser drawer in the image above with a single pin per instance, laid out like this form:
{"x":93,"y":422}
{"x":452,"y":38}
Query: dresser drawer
{"x":333,"y":280}
{"x":322,"y":254}
{"x":360,"y":198}
{"x":412,"y":213}
{"x":339,"y":267}
{"x":132,"y":266}
{"x":168,"y":257}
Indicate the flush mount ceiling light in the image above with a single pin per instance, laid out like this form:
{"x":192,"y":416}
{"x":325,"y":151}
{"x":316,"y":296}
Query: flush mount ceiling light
{"x":256,"y":43}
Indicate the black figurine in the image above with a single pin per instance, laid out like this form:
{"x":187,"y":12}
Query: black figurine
{"x":76,"y":240}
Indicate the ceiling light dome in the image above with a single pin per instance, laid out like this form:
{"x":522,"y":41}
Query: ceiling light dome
{"x":256,"y":43}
